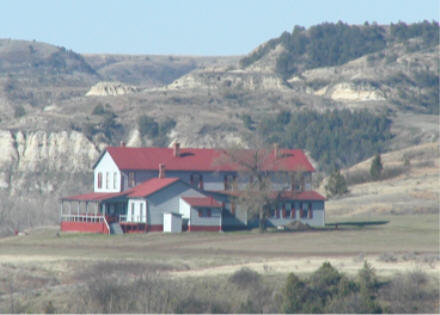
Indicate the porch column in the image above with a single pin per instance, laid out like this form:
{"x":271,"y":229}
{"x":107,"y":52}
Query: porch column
{"x":221,"y":218}
{"x":61,"y":211}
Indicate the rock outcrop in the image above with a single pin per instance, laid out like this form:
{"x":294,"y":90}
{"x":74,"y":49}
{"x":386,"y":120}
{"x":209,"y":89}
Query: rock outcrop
{"x":42,"y":152}
{"x":111,"y":89}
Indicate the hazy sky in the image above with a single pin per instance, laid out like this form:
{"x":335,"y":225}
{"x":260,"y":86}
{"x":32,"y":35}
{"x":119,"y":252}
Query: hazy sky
{"x":188,"y":27}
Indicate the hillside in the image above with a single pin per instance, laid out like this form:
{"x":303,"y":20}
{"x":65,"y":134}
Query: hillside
{"x":410,"y":185}
{"x":59,"y":109}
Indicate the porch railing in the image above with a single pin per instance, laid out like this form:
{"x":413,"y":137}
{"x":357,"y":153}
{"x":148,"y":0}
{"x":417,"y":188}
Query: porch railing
{"x":83,"y":218}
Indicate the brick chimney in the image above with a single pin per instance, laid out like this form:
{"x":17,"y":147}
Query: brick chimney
{"x":176,"y":149}
{"x":161,"y":170}
{"x":276,"y":150}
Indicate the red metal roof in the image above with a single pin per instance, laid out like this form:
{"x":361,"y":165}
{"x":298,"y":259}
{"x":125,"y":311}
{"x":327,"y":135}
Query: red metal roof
{"x":151,"y":186}
{"x":208,"y":202}
{"x":305,"y":195}
{"x":96,"y":196}
{"x":142,"y":190}
{"x":192,"y":159}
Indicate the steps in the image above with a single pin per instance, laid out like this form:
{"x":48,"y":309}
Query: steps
{"x":115,"y":228}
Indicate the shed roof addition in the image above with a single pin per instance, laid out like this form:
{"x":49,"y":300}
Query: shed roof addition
{"x":206,"y":202}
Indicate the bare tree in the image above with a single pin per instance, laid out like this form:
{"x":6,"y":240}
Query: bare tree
{"x":255,"y":166}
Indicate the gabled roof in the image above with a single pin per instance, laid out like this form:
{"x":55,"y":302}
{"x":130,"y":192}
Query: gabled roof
{"x":207,"y":202}
{"x":193,"y":159}
{"x":144,"y":189}
{"x":151,"y":186}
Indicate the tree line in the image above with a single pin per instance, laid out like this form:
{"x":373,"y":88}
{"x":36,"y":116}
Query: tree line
{"x":335,"y":139}
{"x":330,"y":44}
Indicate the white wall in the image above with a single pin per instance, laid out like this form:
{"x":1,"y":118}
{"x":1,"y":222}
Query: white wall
{"x":111,"y":176}
{"x":184,"y":209}
{"x":172,"y":223}
{"x":213,"y":220}
{"x":137,"y":210}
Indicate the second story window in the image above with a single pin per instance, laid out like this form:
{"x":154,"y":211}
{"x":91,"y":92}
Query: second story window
{"x":107,"y":180}
{"x":131,"y":179}
{"x":115,"y":180}
{"x":196,"y":180}
{"x":297,"y":181}
{"x":100,"y":180}
{"x":229,"y":181}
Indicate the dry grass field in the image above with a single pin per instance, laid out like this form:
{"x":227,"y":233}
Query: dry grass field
{"x":46,"y":265}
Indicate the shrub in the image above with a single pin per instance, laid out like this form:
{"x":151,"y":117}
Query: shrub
{"x":99,"y":110}
{"x":376,"y":167}
{"x":336,"y":184}
{"x":148,"y":126}
{"x":245,"y":278}
{"x":411,"y":293}
{"x":294,"y":295}
{"x":19,"y":111}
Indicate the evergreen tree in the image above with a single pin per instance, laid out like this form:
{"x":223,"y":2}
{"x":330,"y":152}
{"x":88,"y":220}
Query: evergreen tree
{"x":294,"y":295}
{"x":376,"y":167}
{"x":336,"y":184}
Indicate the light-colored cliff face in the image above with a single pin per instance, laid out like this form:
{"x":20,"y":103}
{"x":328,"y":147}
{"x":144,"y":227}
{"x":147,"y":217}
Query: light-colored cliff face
{"x":229,"y":79}
{"x":111,"y":89}
{"x":43,"y":152}
{"x":351,"y":92}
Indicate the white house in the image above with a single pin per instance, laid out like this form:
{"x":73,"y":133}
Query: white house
{"x":135,"y":187}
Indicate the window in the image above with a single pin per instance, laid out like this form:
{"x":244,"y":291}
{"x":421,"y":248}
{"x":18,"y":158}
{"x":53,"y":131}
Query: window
{"x":229,"y":181}
{"x":297,"y":181}
{"x":204,"y":212}
{"x":115,"y":179}
{"x":107,"y":180}
{"x":292,"y":212}
{"x":131,"y":181}
{"x":310,"y":211}
{"x":141,"y":212}
{"x":196,"y":180}
{"x":303,"y":210}
{"x":99,"y":180}
{"x":232,"y":208}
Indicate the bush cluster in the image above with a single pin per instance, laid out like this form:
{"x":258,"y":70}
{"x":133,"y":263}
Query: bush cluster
{"x":156,"y":131}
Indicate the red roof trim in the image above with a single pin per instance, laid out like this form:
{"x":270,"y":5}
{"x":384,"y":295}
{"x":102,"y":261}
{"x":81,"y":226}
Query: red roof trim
{"x":202,"y":202}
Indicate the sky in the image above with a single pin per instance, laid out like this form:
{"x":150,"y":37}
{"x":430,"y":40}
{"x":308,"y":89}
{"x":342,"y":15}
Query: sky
{"x":189,"y":27}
